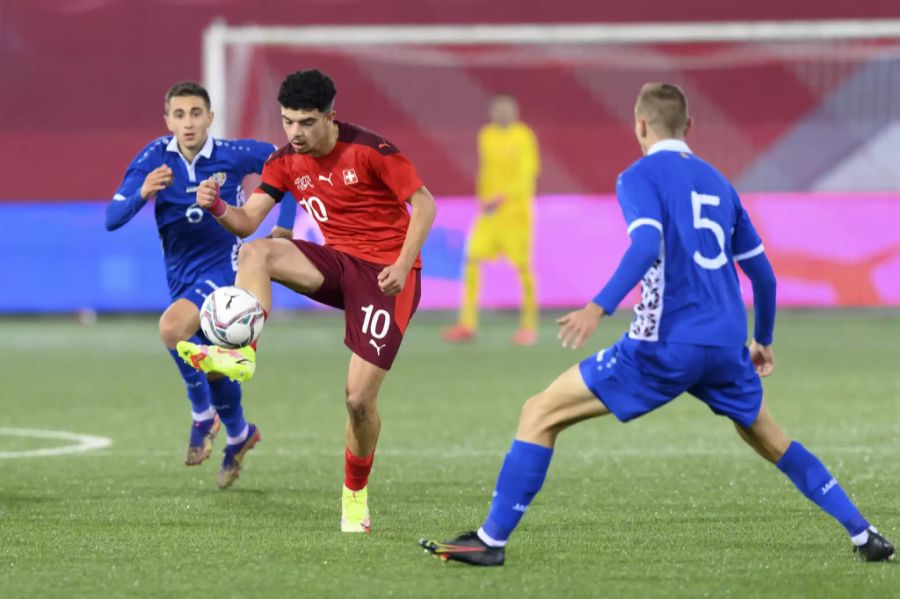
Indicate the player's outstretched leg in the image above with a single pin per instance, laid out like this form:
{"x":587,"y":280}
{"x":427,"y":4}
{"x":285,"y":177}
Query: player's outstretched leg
{"x":236,"y":364}
{"x":265,"y":260}
{"x":361,"y":436}
{"x":813,"y":479}
{"x":565,"y":402}
{"x":259,"y":262}
{"x":179,"y":322}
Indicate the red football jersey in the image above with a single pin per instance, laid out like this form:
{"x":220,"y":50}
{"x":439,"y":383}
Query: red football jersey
{"x":357,"y":193}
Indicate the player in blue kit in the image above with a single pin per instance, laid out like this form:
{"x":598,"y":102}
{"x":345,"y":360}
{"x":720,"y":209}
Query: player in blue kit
{"x":199,"y":254}
{"x":687,"y":229}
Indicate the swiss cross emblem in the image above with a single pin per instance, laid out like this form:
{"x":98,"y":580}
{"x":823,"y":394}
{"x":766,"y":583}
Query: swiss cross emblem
{"x":350,"y":176}
{"x":303,"y":182}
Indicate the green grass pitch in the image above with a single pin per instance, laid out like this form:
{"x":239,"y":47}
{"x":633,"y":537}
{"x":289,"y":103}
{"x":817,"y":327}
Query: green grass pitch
{"x":672,"y":505}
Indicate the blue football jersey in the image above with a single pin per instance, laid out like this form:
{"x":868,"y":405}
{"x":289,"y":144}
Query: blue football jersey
{"x":193,"y":242}
{"x":691,"y":293}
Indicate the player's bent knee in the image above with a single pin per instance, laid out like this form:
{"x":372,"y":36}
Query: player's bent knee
{"x":171,"y":330}
{"x":359,"y":404}
{"x":256,"y":253}
{"x":537,"y":417}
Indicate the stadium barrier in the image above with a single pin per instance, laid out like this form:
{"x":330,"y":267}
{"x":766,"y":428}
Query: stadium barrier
{"x":828,"y":250}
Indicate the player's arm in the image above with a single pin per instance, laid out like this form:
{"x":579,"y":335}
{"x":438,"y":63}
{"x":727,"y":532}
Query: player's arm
{"x":534,"y":154}
{"x":639,"y":200}
{"x":284,"y":226}
{"x":638,"y":258}
{"x":141,"y":183}
{"x":242,"y":221}
{"x":481,"y":182}
{"x":521,"y":181}
{"x":424,"y":209}
{"x":245,"y":220}
{"x":485,"y":186}
{"x":253,"y":156}
{"x":400,"y":176}
{"x":749,"y":253}
{"x":530,"y":162}
{"x":759,"y":270}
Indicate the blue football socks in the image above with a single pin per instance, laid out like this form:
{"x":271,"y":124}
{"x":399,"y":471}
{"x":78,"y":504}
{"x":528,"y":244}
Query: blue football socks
{"x":811,"y":477}
{"x":226,"y":397}
{"x":195,"y":381}
{"x":521,"y":477}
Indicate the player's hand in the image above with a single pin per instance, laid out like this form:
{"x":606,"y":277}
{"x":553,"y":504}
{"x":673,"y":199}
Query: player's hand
{"x":157,"y":180}
{"x":491,"y":205}
{"x":576,"y":327}
{"x":763,"y":357}
{"x":281,"y":233}
{"x":392,"y":278}
{"x":207,"y":192}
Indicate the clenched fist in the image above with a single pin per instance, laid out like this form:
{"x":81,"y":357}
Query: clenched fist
{"x":207,"y":192}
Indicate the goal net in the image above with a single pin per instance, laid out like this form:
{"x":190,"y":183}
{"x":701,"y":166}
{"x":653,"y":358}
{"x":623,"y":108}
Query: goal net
{"x":786,"y":106}
{"x":791,"y":112}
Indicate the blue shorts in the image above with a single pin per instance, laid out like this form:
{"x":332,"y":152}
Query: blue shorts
{"x":633,"y":378}
{"x":197,"y":291}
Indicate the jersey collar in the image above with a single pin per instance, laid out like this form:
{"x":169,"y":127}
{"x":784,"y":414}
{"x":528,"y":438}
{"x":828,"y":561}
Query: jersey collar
{"x":205,"y":151}
{"x":669,"y":145}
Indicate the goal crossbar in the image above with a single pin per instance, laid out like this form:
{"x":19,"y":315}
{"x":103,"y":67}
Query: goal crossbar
{"x":219,"y":35}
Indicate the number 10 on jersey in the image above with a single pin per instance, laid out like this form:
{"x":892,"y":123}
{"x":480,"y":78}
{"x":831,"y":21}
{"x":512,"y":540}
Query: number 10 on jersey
{"x":315,"y":208}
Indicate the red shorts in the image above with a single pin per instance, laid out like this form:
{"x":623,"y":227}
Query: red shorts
{"x":375,"y":322}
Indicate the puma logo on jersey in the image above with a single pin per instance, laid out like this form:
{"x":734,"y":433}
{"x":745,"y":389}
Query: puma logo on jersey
{"x":376,"y":346}
{"x":328,"y":178}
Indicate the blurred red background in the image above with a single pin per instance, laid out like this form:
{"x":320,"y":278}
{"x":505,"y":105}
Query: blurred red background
{"x":83,"y":80}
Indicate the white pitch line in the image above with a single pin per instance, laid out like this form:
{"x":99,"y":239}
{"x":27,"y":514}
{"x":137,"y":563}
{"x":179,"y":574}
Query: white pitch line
{"x":83,"y":442}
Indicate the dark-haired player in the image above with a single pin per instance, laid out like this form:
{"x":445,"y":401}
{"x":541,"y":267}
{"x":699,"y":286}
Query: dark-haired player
{"x":357,"y":185}
{"x":688,"y":229}
{"x":199,"y":254}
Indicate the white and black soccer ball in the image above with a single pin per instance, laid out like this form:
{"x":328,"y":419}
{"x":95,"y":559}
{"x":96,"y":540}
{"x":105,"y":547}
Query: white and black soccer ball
{"x":231,"y":317}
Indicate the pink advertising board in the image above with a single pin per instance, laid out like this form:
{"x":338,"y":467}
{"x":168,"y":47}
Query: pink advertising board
{"x":828,"y":250}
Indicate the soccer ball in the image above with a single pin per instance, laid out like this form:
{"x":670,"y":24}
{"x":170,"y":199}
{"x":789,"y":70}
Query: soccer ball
{"x":231,"y":317}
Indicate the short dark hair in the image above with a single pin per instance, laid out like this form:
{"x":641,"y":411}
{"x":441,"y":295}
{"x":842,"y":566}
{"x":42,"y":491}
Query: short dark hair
{"x":187,"y":88}
{"x":664,"y":105}
{"x":307,"y":90}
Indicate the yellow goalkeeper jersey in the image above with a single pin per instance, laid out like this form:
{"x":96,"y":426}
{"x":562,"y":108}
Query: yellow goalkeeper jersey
{"x":508,"y":167}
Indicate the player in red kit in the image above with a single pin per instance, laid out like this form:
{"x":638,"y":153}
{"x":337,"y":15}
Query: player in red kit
{"x":357,"y":185}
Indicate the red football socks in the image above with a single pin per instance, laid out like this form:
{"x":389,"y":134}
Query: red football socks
{"x":356,"y":470}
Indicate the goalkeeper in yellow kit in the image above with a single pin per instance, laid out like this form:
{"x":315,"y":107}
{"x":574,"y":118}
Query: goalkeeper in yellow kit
{"x":507,"y":173}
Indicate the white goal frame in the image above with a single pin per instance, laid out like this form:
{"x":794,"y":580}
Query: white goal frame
{"x":219,"y":35}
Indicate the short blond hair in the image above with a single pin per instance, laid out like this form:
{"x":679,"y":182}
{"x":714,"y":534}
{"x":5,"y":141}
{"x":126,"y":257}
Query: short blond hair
{"x":664,"y":107}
